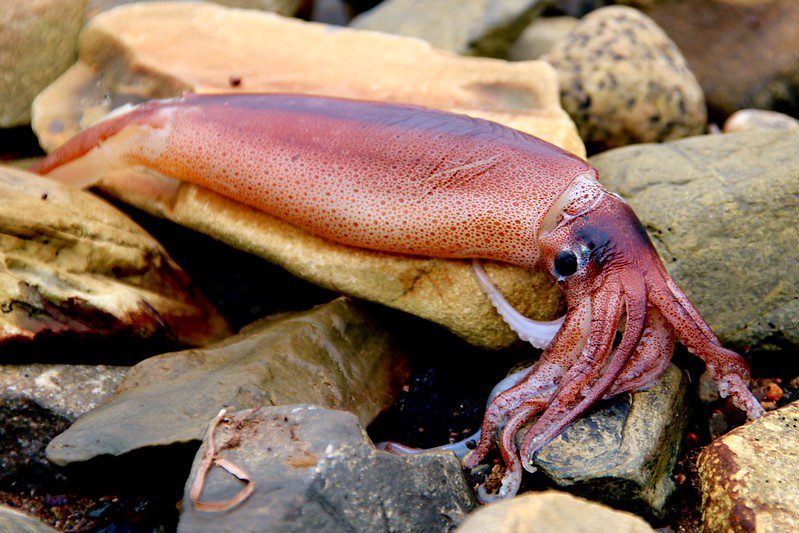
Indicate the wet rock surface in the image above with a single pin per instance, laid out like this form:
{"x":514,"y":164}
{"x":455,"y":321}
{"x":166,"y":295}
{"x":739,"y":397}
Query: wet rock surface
{"x":476,"y":27}
{"x":12,"y":520}
{"x":740,"y":189}
{"x":332,"y":355}
{"x":38,"y":41}
{"x":623,"y":454}
{"x":624,"y":81}
{"x":750,"y":477}
{"x":73,"y":267}
{"x":746,"y":56}
{"x":315,"y":469}
{"x":550,"y":512}
{"x":759,"y":119}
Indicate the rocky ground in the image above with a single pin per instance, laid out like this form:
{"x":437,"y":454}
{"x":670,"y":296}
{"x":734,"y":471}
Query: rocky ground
{"x":129,"y":321}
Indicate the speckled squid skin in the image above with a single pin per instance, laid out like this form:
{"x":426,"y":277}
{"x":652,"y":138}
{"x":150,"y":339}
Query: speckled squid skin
{"x":379,"y":176}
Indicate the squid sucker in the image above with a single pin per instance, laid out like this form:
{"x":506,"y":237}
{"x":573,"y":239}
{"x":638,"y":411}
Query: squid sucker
{"x":411,"y":180}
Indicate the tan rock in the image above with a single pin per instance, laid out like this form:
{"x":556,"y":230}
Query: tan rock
{"x":282,"y":7}
{"x":476,"y":27}
{"x":551,"y":512}
{"x":749,"y":478}
{"x":71,"y":264}
{"x":38,"y":41}
{"x":759,"y":119}
{"x":210,"y":43}
{"x":541,"y":36}
{"x":623,"y":81}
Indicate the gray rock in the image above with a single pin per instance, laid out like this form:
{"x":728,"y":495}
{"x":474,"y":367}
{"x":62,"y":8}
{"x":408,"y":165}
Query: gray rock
{"x":749,"y":478}
{"x":315,"y":469}
{"x":64,"y":390}
{"x":722,"y":211}
{"x":624,"y":81}
{"x":332,"y":355}
{"x":12,"y":521}
{"x":540,"y":37}
{"x":550,"y":512}
{"x":38,"y":41}
{"x":623,"y":454}
{"x":474,"y":27}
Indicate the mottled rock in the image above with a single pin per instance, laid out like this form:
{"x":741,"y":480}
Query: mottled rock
{"x":315,"y":469}
{"x":38,"y":41}
{"x":745,"y":55}
{"x":16,"y":522}
{"x":749,"y":478}
{"x":64,"y":390}
{"x":282,"y":7}
{"x":759,"y":119}
{"x":73,"y":266}
{"x":540,"y":37}
{"x":551,"y":512}
{"x":475,"y":27}
{"x":624,"y":81}
{"x":623,"y":453}
{"x":332,"y":355}
{"x":124,"y":59}
{"x":721,"y":210}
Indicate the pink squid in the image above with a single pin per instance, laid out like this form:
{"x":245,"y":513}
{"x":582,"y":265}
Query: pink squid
{"x":411,"y":180}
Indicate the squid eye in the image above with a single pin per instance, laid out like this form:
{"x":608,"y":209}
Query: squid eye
{"x":565,"y":263}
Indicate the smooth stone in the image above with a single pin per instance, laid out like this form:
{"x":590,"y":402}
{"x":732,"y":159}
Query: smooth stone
{"x":315,"y":469}
{"x":743,"y":52}
{"x":623,"y":81}
{"x":63,"y":390}
{"x":623,"y":453}
{"x":333,"y":355}
{"x":551,"y":512}
{"x":121,"y":59}
{"x":12,"y":520}
{"x":722,"y":212}
{"x":473,"y":27}
{"x":281,"y":7}
{"x":38,"y":41}
{"x":749,"y":478}
{"x":540,"y":37}
{"x":74,"y":267}
{"x":759,"y":119}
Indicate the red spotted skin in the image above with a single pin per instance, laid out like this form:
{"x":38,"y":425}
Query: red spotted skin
{"x":379,"y":176}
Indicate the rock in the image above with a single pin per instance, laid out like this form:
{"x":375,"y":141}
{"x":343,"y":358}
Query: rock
{"x":38,"y":41}
{"x":474,"y":27}
{"x":14,"y":521}
{"x":282,"y":7}
{"x":759,"y":119}
{"x":746,"y":56}
{"x":550,"y":512}
{"x":540,"y":36}
{"x":623,"y":453}
{"x":332,"y":355}
{"x":63,"y":390}
{"x":623,"y":81}
{"x":721,"y":210}
{"x":73,"y":267}
{"x":121,"y":57}
{"x":749,"y":478}
{"x":315,"y":469}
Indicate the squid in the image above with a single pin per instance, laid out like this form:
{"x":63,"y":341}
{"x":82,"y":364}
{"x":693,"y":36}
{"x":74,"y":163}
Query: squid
{"x":411,"y":180}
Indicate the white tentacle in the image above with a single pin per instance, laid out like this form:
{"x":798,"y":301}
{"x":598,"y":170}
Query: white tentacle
{"x":536,"y":332}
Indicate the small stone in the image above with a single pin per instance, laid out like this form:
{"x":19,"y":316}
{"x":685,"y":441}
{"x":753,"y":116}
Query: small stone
{"x":749,"y":478}
{"x":332,"y":355}
{"x":314,"y":469}
{"x":623,"y":81}
{"x":721,"y":210}
{"x":474,"y":27}
{"x":38,"y":41}
{"x":759,"y":119}
{"x":540,"y":37}
{"x":12,"y":520}
{"x":623,"y":453}
{"x":551,"y":512}
{"x":282,"y":7}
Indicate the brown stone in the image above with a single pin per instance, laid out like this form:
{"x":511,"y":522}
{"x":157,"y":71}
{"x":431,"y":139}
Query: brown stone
{"x":72,"y":265}
{"x":749,"y":478}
